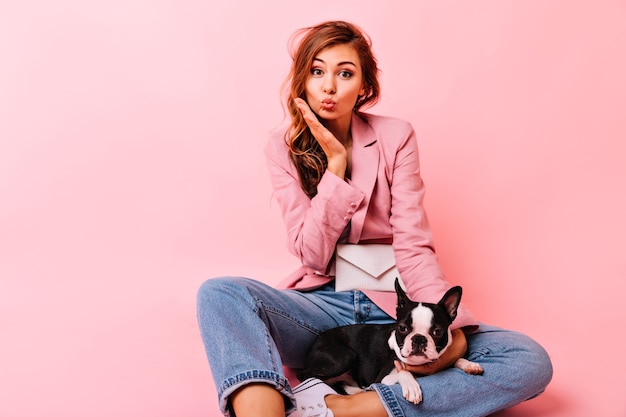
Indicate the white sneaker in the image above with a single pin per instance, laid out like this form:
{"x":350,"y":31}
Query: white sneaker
{"x":310,"y":399}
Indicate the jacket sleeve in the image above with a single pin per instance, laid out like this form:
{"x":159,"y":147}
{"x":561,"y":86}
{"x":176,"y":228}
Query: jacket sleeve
{"x":412,"y":237}
{"x":315,"y":224}
{"x":413,"y":242}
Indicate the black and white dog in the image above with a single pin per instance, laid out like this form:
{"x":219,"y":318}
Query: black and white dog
{"x":350,"y":358}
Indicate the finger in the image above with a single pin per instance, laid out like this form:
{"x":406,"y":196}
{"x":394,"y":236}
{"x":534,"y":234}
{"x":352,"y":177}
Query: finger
{"x":319,"y":131}
{"x":300,"y":103}
{"x":308,"y":115}
{"x":304,"y":108}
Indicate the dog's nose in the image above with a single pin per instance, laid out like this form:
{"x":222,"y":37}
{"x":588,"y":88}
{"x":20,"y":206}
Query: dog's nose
{"x":419,"y":343}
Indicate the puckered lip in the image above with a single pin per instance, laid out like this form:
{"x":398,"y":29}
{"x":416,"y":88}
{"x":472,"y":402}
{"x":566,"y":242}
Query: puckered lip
{"x":328,"y":104}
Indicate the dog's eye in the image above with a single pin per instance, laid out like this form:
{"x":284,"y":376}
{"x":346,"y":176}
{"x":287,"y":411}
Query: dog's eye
{"x":437,"y":332}
{"x":402,"y":328}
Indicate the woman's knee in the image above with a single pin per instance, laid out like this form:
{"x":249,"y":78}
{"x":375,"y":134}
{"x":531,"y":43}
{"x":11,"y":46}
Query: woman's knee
{"x":215,"y":292}
{"x":526,"y":364}
{"x":537,"y":362}
{"x":533,"y":364}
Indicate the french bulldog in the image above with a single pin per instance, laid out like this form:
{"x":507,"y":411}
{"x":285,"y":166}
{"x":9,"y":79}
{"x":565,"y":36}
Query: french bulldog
{"x":350,"y":358}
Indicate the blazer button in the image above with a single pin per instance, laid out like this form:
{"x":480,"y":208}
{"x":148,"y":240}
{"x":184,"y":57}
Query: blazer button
{"x":353,"y":204}
{"x":350,"y":212}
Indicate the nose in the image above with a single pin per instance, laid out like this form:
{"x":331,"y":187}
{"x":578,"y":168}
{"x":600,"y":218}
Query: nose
{"x":419,"y":343}
{"x":328,"y":87}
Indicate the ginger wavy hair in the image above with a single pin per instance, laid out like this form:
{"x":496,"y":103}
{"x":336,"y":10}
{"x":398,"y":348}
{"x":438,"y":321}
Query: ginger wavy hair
{"x":304,"y":151}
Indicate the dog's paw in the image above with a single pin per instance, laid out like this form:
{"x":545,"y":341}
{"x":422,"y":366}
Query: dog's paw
{"x":411,"y":390}
{"x":469,"y":367}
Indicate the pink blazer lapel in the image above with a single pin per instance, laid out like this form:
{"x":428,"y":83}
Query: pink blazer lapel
{"x":365,"y":159}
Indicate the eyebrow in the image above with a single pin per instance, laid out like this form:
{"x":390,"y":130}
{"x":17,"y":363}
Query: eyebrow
{"x":339,"y":64}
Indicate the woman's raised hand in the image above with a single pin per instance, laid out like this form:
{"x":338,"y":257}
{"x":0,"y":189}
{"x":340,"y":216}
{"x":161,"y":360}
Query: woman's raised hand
{"x":336,"y":153}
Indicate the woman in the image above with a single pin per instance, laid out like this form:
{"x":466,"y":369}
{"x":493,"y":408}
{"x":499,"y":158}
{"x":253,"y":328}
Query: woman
{"x":344,"y":176}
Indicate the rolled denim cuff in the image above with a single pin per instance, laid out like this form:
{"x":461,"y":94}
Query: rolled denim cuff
{"x":389,"y":399}
{"x":229,"y":386}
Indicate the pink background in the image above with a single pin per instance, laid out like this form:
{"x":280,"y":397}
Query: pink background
{"x":131,"y":169}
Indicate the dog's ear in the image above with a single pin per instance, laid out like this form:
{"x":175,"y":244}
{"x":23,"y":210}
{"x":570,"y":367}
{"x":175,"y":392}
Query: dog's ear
{"x":403,"y":300}
{"x":451,"y":300}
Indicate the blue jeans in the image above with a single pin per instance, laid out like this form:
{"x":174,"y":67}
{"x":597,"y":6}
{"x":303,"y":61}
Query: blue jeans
{"x":251,"y":331}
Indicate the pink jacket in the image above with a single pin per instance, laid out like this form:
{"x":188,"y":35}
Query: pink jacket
{"x":383,"y":202}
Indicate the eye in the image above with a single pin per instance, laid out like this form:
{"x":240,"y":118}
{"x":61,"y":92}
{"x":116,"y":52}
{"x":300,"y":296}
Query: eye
{"x":438,"y":332}
{"x":345,"y":74}
{"x":402,"y":328}
{"x":316,"y":72}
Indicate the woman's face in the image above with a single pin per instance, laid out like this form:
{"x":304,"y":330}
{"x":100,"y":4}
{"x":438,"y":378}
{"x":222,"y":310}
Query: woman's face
{"x":334,"y":83}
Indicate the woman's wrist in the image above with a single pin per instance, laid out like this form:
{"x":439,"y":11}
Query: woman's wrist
{"x":337,"y":167}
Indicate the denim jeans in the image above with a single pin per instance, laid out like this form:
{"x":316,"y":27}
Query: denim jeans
{"x":251,"y":331}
